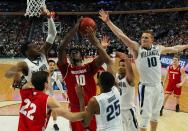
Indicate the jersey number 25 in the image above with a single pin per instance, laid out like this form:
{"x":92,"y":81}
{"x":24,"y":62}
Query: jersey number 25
{"x":113,"y":110}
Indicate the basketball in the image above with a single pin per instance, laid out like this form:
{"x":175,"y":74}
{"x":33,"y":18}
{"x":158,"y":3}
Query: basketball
{"x":86,"y":22}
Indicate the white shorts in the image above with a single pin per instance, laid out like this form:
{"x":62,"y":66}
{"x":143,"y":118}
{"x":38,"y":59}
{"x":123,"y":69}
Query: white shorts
{"x":129,"y":120}
{"x":150,"y":101}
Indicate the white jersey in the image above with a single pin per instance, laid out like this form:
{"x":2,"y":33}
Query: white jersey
{"x":149,"y":64}
{"x":127,"y":93}
{"x":40,"y":64}
{"x":55,"y":79}
{"x":109,"y":118}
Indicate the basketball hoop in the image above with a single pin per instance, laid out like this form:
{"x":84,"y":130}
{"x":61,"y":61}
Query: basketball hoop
{"x":34,"y":7}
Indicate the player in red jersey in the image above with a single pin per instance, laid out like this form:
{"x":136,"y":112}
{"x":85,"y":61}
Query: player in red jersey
{"x":78,"y":73}
{"x":174,"y":75}
{"x":36,"y":106}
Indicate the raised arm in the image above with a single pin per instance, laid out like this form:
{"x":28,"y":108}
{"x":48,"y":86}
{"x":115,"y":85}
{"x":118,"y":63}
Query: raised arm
{"x":129,"y":70}
{"x":63,"y":44}
{"x":118,"y":32}
{"x":103,"y":56}
{"x":51,"y":32}
{"x":173,"y":49}
{"x":105,"y":41}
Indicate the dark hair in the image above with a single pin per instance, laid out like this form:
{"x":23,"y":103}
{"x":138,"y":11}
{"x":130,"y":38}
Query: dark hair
{"x":38,"y":79}
{"x":106,"y":80}
{"x":51,"y":61}
{"x":176,"y":56}
{"x":149,"y":32}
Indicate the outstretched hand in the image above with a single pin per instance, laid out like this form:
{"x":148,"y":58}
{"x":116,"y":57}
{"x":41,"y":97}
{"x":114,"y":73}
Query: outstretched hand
{"x":105,"y":41}
{"x":104,"y":15}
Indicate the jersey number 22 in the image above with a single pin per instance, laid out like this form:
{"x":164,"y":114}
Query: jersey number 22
{"x":32,"y":110}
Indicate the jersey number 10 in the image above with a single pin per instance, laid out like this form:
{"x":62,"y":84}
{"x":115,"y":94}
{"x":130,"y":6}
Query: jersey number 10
{"x":152,"y":62}
{"x":80,"y":80}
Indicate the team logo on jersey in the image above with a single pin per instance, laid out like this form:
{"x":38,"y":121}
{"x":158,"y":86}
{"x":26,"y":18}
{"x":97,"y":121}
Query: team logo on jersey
{"x":43,"y":68}
{"x":150,"y":53}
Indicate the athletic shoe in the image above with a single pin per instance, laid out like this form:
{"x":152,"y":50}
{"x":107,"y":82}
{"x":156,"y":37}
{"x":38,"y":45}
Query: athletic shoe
{"x":56,"y":128}
{"x":177,"y":108}
{"x":161,"y":111}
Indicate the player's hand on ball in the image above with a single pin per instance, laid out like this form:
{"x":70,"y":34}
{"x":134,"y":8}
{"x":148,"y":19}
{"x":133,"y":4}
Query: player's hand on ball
{"x":104,"y":16}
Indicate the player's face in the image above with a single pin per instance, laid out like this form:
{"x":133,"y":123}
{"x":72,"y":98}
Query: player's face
{"x":175,"y":61}
{"x":51,"y":66}
{"x":146,"y":40}
{"x":75,"y":55}
{"x":33,"y":50}
{"x":122,"y":67}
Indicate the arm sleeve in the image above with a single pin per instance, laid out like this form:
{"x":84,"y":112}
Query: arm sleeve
{"x":51,"y":31}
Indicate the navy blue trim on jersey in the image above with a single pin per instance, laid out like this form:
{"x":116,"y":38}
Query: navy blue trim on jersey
{"x":134,"y":119}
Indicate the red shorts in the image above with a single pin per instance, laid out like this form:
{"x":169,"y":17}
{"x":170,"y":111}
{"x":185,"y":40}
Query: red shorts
{"x":77,"y":126}
{"x":173,"y":89}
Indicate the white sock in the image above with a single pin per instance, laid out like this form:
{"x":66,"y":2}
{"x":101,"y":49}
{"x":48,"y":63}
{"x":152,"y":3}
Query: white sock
{"x":55,"y":122}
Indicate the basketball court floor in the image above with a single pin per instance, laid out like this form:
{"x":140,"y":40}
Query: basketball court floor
{"x":10,"y":99}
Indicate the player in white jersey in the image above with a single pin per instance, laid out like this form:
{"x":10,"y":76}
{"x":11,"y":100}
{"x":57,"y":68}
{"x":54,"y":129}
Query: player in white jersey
{"x":105,"y":107}
{"x":55,"y":80}
{"x":35,"y":57}
{"x":125,"y":79}
{"x":148,"y":63}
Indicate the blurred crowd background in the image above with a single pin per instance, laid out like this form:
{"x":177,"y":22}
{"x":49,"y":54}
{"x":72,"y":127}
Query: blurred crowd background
{"x":170,"y":28}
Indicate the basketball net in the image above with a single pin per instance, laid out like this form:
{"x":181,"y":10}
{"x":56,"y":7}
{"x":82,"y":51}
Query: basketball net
{"x":34,"y":7}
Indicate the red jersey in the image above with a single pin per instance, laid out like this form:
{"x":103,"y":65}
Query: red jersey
{"x":83,"y":75}
{"x":174,"y":75}
{"x":33,"y":111}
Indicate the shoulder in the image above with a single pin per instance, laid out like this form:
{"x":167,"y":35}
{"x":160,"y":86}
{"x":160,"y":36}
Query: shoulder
{"x":93,"y":100}
{"x":26,"y":92}
{"x":93,"y":106}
